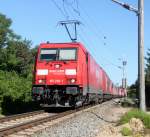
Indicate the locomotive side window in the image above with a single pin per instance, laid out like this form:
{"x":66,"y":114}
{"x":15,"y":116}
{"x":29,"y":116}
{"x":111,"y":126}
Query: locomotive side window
{"x":67,"y":54}
{"x":48,"y":54}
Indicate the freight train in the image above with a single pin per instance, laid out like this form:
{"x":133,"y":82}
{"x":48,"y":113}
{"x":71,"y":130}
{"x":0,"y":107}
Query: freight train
{"x":66,"y":75}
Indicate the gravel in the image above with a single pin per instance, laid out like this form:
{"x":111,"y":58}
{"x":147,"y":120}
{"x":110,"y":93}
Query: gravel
{"x":86,"y":124}
{"x":23,"y":119}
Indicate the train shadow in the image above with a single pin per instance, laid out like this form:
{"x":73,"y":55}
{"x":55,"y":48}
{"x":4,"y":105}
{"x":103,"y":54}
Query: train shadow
{"x":57,"y":109}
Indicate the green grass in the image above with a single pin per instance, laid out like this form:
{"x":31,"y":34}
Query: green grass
{"x":136,"y":113}
{"x":126,"y":131}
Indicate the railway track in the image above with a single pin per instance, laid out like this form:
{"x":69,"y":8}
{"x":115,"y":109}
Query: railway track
{"x":13,"y":117}
{"x":24,"y":129}
{"x":9,"y":122}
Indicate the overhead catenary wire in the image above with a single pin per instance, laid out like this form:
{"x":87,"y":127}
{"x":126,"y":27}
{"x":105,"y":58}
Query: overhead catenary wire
{"x":90,"y":19}
{"x":99,"y":34}
{"x":104,"y":60}
{"x":82,"y":37}
{"x":66,"y":13}
{"x":69,"y":2}
{"x":96,"y":32}
{"x":57,"y":6}
{"x":109,"y":62}
{"x":100,"y":56}
{"x":93,"y":47}
{"x":87,"y":24}
{"x":74,"y":2}
{"x":77,"y":3}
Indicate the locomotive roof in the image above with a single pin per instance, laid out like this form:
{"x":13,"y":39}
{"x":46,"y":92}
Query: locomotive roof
{"x":67,"y":44}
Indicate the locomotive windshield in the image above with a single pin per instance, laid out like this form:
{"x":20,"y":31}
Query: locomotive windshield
{"x":58,"y":54}
{"x":48,"y":54}
{"x":67,"y":54}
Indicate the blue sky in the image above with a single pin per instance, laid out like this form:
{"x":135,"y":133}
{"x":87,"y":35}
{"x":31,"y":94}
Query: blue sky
{"x":108,"y":31}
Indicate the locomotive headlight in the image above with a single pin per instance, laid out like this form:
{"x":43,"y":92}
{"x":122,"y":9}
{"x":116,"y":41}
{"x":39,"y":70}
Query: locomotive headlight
{"x":41,"y":81}
{"x":72,"y":80}
{"x":57,"y":66}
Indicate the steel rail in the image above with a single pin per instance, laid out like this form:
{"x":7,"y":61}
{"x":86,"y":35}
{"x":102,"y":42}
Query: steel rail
{"x":19,"y":127}
{"x":22,"y":115}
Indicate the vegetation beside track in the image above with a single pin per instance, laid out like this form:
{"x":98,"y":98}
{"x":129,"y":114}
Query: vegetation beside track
{"x":133,"y":89}
{"x":16,"y":63}
{"x":136,"y":113}
{"x":135,"y":123}
{"x":126,"y":131}
{"x":15,"y":93}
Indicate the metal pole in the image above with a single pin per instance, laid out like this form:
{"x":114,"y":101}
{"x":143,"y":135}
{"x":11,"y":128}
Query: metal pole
{"x":141,"y":77}
{"x":123,"y":66}
{"x":125,"y":77}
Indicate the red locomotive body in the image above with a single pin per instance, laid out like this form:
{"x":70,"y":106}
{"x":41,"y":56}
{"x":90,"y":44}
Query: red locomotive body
{"x":67,"y":75}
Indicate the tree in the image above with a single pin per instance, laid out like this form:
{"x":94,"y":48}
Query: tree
{"x":5,"y":32}
{"x":147,"y":70}
{"x":19,"y":56}
{"x":147,"y":78}
{"x":16,"y":63}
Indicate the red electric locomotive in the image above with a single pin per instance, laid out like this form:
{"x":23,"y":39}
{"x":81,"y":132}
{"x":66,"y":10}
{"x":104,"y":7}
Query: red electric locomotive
{"x":65,"y":74}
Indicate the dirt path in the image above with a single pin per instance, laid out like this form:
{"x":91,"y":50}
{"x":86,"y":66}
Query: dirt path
{"x":109,"y":129}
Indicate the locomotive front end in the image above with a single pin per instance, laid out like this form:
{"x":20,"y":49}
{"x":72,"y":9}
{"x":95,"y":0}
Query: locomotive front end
{"x":56,"y":77}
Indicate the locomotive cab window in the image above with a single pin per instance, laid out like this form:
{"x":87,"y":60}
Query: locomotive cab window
{"x":48,"y":54}
{"x":67,"y":54}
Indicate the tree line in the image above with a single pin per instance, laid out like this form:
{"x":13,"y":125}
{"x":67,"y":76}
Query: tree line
{"x":133,"y":89}
{"x":16,"y":65}
{"x":147,"y":78}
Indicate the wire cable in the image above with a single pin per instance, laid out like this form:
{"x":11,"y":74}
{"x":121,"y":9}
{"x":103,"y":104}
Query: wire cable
{"x":67,"y":15}
{"x":93,"y":49}
{"x":96,"y":31}
{"x":76,"y":10}
{"x":57,"y":6}
{"x":84,"y":34}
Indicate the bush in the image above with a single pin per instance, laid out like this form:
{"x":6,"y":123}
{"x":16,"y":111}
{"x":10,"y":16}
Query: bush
{"x":10,"y":106}
{"x":126,"y":131}
{"x":15,"y":92}
{"x":136,"y":113}
{"x":127,"y":102}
